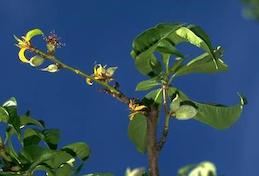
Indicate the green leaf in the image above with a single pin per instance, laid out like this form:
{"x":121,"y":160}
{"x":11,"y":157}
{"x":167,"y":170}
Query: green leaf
{"x":14,"y":120}
{"x":163,"y":38}
{"x":219,"y":116}
{"x":137,"y":132}
{"x":167,"y":47}
{"x":147,"y":43}
{"x":147,"y":84}
{"x":4,"y":115}
{"x":64,"y":170}
{"x":79,"y":149}
{"x":185,"y":112}
{"x":51,"y":137}
{"x":26,"y":120}
{"x":204,"y":64}
{"x":36,"y":155}
{"x":58,"y":159}
{"x":31,"y":137}
{"x":156,"y":95}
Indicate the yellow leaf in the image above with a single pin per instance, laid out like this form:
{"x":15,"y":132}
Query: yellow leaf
{"x":89,"y":81}
{"x":22,"y":56}
{"x":32,"y":33}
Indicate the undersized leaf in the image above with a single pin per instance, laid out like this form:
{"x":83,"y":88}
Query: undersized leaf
{"x":11,"y":102}
{"x":99,"y":174}
{"x":147,"y":84}
{"x":79,"y":149}
{"x":219,"y":116}
{"x":137,"y":132}
{"x":185,"y":112}
{"x":205,"y":168}
{"x":36,"y":61}
{"x":52,"y":68}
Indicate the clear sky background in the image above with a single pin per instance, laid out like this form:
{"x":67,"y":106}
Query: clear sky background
{"x":101,"y":32}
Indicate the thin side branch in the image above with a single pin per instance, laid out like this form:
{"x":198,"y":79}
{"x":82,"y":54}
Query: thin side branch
{"x":164,"y":135}
{"x":107,"y":88}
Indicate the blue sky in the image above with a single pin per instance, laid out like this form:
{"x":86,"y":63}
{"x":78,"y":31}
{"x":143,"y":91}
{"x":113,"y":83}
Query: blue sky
{"x":101,"y":32}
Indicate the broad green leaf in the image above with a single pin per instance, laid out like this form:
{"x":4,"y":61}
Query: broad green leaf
{"x":147,"y":43}
{"x":219,"y":116}
{"x":51,"y":137}
{"x":137,"y":132}
{"x":204,"y":64}
{"x":31,"y":137}
{"x":58,"y":159}
{"x":79,"y":149}
{"x":147,"y":84}
{"x":37,"y":154}
{"x":195,"y":35}
{"x":64,"y":170}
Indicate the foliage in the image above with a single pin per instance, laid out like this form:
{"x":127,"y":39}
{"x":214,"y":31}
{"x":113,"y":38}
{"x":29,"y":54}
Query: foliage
{"x":39,"y":150}
{"x":251,"y":9}
{"x":158,"y":58}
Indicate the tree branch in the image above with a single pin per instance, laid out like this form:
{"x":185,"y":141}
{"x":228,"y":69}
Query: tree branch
{"x":153,"y":154}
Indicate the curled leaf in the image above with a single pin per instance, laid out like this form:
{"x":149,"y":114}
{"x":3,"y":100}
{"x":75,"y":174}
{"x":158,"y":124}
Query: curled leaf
{"x":32,"y":33}
{"x":89,"y":81}
{"x":52,"y":68}
{"x":22,"y":55}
